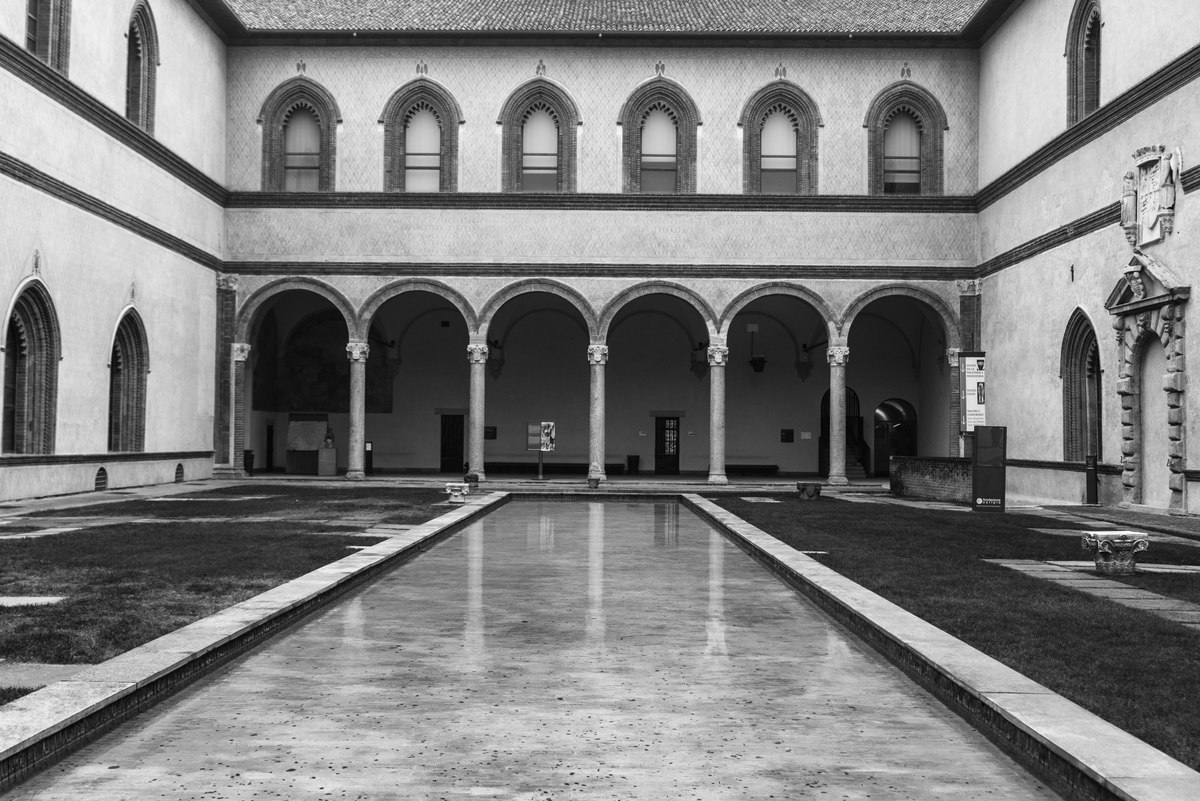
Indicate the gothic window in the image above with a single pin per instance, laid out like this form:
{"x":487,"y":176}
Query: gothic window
{"x":1083,"y":60}
{"x":128,"y":366}
{"x":47,"y":31}
{"x":141,"y":67}
{"x":1082,"y":395}
{"x":658,"y":139}
{"x":779,"y":151}
{"x":31,"y":352}
{"x":540,"y":123}
{"x":905,"y":131}
{"x":299,"y":122}
{"x":420,"y":139}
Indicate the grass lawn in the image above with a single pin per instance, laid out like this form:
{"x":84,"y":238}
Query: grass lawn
{"x":1134,"y":669}
{"x":126,"y":584}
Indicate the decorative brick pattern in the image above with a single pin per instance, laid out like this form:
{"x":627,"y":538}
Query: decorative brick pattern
{"x":141,"y":67}
{"x":908,"y":97}
{"x":413,"y":96}
{"x":299,"y":92}
{"x":127,"y":386}
{"x":32,"y":350}
{"x":1083,"y":60}
{"x":939,"y":479}
{"x":225,"y":319}
{"x":781,"y":96}
{"x":667,"y":95}
{"x":539,"y":93}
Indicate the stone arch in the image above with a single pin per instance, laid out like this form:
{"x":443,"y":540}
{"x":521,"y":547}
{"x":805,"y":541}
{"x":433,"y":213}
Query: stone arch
{"x":670,"y":95}
{"x":539,"y":92}
{"x":141,"y":67}
{"x":1079,"y":368}
{"x":245,"y":315}
{"x":298,"y":92}
{"x":623,"y":298}
{"x":382,"y":295}
{"x":32,"y":346}
{"x":773,"y":288}
{"x":418,"y":93}
{"x":527,"y":286}
{"x":785,"y":96}
{"x":129,"y":364}
{"x":931,"y":120}
{"x":948,"y":318}
{"x":1083,"y":75}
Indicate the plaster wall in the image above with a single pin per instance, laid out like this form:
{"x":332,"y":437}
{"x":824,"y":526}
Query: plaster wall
{"x":1023,"y":69}
{"x":36,"y":481}
{"x":99,"y":165}
{"x":190,"y":110}
{"x":92,"y":275}
{"x":610,"y":237}
{"x":842,"y":84}
{"x":12,"y":22}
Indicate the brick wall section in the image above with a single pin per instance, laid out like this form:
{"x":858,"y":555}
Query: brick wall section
{"x":932,"y":478}
{"x":969,"y":308}
{"x":226,"y":308}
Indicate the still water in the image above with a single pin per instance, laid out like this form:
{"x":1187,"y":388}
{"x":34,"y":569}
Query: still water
{"x":554,"y":650}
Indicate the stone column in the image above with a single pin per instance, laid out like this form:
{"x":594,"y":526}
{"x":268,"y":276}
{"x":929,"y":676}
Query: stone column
{"x":357,"y":353}
{"x":718,"y":355}
{"x":477,"y":355}
{"x":597,"y":358}
{"x":838,"y":356}
{"x":241,"y":353}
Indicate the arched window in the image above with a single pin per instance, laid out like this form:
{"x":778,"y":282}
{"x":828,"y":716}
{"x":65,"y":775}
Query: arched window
{"x":1082,"y":390}
{"x":1083,"y":60}
{"x":299,"y":122}
{"x":141,"y":67}
{"x":540,"y":126}
{"x":658,"y":139}
{"x":31,"y":352}
{"x":905,"y":131}
{"x":128,"y":367}
{"x":47,"y":31}
{"x":420,"y":139}
{"x":779,"y":142}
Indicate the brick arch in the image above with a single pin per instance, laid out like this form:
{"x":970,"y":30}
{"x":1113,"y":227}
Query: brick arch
{"x":774,"y":288}
{"x":780,"y":95}
{"x":664,"y":93}
{"x":141,"y":77}
{"x":945,"y":313}
{"x":298,"y":92}
{"x":543,"y":93}
{"x":527,"y":286}
{"x":931,"y":119}
{"x":371,"y":306}
{"x":1083,"y":34}
{"x":396,"y":113}
{"x":38,"y":349}
{"x":129,"y":364}
{"x":626,"y":296}
{"x":252,"y":304}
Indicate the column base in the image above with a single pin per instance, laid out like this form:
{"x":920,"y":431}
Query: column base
{"x":838,"y":481}
{"x":355,"y":475}
{"x":228,"y":471}
{"x":717,"y":478}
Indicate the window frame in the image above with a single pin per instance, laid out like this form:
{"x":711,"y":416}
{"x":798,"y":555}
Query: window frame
{"x":51,"y":37}
{"x":659,"y":91}
{"x":36,"y":397}
{"x":539,"y":92}
{"x":127,"y":388}
{"x":276,"y":109}
{"x":1080,"y":384}
{"x":140,"y":82}
{"x":781,"y":92}
{"x":1083,"y":80}
{"x":394,"y":118}
{"x":931,"y":122}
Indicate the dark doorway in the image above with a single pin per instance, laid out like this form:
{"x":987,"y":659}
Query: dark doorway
{"x":666,"y":446}
{"x":270,"y":448}
{"x":895,"y":432}
{"x":453,"y":436}
{"x":858,"y":453}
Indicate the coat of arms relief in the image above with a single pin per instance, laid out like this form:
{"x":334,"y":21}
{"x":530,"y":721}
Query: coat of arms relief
{"x":1148,"y":195}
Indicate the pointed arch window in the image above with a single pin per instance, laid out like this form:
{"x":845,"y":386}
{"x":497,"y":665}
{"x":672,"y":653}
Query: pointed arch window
{"x":659,"y":123}
{"x":902,"y":156}
{"x":422,"y":150}
{"x":1082,"y":391}
{"x":299,"y":122}
{"x":47,"y":31}
{"x":539,"y":150}
{"x":906,"y":127}
{"x":540,"y":127}
{"x":420,"y":138}
{"x":1083,"y":60}
{"x":31,"y":352}
{"x":779,"y":153}
{"x":658,"y":151}
{"x":778,"y":160}
{"x":128,"y":367}
{"x":141,"y":68}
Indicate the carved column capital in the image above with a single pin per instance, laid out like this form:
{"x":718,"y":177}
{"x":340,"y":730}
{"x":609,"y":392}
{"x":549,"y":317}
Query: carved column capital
{"x":967,"y":287}
{"x":241,"y":351}
{"x":228,"y":282}
{"x":477,"y":354}
{"x":718,"y":355}
{"x":952,"y":356}
{"x":837,"y":355}
{"x":597,"y":354}
{"x":357,"y":351}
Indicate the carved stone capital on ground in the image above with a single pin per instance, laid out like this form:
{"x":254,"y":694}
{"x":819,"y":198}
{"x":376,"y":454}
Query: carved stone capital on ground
{"x":838,"y":355}
{"x":597,"y":354}
{"x":357,"y":351}
{"x":1116,"y":551}
{"x":477,"y":354}
{"x":718,"y":355}
{"x":241,"y":351}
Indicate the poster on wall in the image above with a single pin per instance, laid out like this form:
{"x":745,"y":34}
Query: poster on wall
{"x":972,"y":367}
{"x":539,"y":436}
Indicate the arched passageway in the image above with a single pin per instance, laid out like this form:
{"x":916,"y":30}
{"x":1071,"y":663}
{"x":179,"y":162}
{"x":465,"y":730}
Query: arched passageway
{"x":895,"y":433}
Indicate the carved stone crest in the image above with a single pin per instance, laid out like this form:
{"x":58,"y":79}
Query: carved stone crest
{"x":1148,"y":195}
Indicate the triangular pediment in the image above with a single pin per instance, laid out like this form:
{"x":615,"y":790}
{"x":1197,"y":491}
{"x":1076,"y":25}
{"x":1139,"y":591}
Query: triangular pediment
{"x":1146,"y":281}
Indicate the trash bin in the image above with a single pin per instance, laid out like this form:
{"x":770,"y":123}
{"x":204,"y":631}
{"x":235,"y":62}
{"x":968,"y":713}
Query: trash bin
{"x":248,"y":461}
{"x":631,"y":464}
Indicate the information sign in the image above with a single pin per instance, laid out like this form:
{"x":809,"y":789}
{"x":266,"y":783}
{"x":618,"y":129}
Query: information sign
{"x":988,"y":468}
{"x":972,"y":367}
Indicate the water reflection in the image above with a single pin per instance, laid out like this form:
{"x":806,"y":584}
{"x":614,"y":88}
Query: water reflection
{"x":715,"y":624}
{"x":666,"y":525}
{"x":473,"y":639}
{"x":595,"y":612}
{"x":540,"y":533}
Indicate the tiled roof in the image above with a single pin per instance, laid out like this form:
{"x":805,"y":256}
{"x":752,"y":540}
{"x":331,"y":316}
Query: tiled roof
{"x":610,"y":16}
